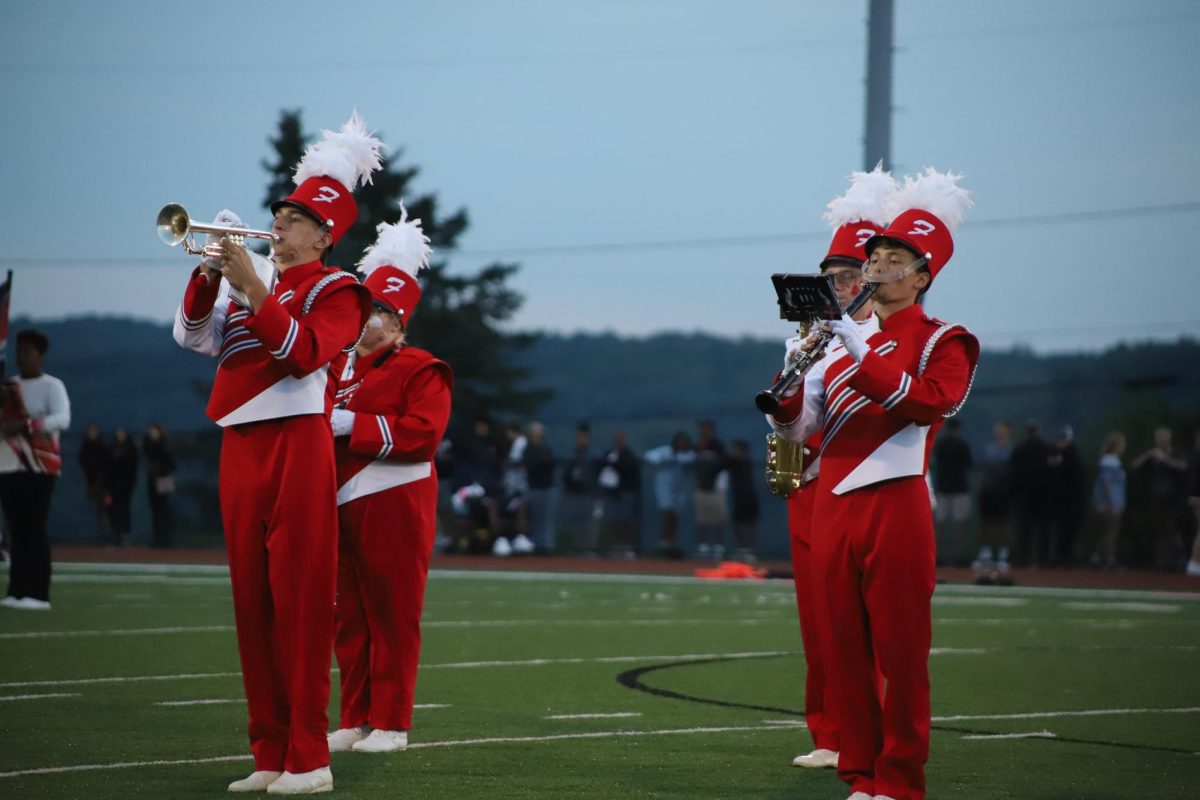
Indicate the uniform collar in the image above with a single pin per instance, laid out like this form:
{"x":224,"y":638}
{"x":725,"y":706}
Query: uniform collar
{"x":298,"y":273}
{"x":905,"y":316}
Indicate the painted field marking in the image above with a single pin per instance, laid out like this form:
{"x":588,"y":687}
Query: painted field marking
{"x":118,"y":632}
{"x":174,"y":580}
{"x":791,"y":723}
{"x":1030,"y":735}
{"x":968,"y":600}
{"x":610,"y":715}
{"x":426,"y":706}
{"x":563,"y":736}
{"x":1094,"y":712}
{"x":61,"y":567}
{"x":11,"y":697}
{"x":1149,"y":608}
{"x":218,"y":701}
{"x":528,"y":662}
{"x":185,"y":676}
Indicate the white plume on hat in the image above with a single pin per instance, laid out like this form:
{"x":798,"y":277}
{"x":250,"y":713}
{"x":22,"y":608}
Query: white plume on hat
{"x":935,"y":192}
{"x":349,"y":156}
{"x":865,"y":200}
{"x":402,"y":244}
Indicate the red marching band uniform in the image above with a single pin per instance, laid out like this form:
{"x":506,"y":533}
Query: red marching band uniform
{"x":873,"y":540}
{"x":273,"y":393}
{"x":399,"y":401}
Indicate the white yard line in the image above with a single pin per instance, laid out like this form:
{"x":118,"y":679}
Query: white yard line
{"x":1149,"y":608}
{"x":609,"y":715}
{"x":969,"y":600}
{"x":528,"y":662}
{"x":62,"y":567}
{"x":118,"y":632}
{"x":5,"y":699}
{"x":587,"y":735}
{"x":1092,"y":712}
{"x":427,"y":706}
{"x":1031,"y":735}
{"x":214,"y":702}
{"x":185,"y":676}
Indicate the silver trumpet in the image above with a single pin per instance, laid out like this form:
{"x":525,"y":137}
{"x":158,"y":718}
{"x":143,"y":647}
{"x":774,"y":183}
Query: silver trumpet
{"x":175,"y":227}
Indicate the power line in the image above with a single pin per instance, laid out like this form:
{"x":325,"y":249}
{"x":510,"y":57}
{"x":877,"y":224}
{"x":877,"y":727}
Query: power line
{"x":1066,"y":217}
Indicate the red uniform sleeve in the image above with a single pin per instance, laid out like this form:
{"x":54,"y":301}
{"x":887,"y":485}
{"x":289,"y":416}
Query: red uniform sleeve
{"x":414,"y":435}
{"x":198,"y":299}
{"x":309,"y":342}
{"x":926,"y":398}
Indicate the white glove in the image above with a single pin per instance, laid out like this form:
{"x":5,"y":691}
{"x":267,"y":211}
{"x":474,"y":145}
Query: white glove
{"x":792,"y":350}
{"x":847,"y":330}
{"x":226,"y":219}
{"x":342,"y":421}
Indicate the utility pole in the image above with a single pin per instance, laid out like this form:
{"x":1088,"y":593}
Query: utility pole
{"x":877,"y":138}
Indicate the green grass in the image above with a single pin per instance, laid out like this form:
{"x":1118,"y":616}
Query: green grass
{"x":1032,"y":652}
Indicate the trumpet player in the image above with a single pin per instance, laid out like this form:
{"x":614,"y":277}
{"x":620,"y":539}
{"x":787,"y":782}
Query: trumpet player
{"x":852,"y":217}
{"x":279,"y":344}
{"x":878,"y":408}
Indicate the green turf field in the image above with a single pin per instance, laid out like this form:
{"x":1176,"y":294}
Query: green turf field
{"x":535,"y":686}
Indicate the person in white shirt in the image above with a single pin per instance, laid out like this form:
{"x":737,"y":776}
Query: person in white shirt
{"x":35,"y":411}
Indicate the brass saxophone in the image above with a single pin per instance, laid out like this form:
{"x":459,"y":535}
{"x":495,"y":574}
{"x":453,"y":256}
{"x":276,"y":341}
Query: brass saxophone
{"x":785,"y":459}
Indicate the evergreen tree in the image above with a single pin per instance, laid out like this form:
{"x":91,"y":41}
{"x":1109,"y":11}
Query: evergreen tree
{"x":458,"y":316}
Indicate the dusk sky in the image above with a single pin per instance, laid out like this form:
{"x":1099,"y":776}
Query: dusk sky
{"x":649,"y":164}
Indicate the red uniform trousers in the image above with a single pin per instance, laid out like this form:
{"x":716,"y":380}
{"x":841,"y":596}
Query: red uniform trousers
{"x":873,"y":564}
{"x":816,"y":705}
{"x":385,"y":542}
{"x":278,"y":504}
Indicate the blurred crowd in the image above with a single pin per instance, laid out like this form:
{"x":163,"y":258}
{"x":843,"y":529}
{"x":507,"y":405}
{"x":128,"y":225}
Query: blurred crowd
{"x":505,"y":491}
{"x":1042,"y":503}
{"x":110,"y":468}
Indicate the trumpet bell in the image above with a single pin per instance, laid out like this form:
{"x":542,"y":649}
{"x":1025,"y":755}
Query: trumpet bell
{"x":173,"y":224}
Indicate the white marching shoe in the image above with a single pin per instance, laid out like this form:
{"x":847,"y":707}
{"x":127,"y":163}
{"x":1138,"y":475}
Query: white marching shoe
{"x":343,"y":739}
{"x":501,"y":547}
{"x":381,"y":741}
{"x":860,"y":796}
{"x":255,"y":782}
{"x":817,"y":759}
{"x":313,"y":782}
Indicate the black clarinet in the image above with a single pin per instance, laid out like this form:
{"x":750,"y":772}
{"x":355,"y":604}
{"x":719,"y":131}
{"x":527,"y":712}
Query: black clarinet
{"x":768,"y":400}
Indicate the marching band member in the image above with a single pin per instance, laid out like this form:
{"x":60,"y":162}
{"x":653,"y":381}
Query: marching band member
{"x":393,"y":404}
{"x":281,"y":343}
{"x":852,"y":217}
{"x":878,"y":408}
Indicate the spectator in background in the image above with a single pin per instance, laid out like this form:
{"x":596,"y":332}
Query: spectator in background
{"x":1030,"y":497}
{"x":995,"y":486}
{"x":1108,"y":497}
{"x":1193,"y":565}
{"x":712,"y":479}
{"x":620,"y":482}
{"x":516,"y":490}
{"x":742,"y":482}
{"x":94,"y":458}
{"x":122,"y":476}
{"x":538,"y":461}
{"x":579,"y":492}
{"x":34,"y":410}
{"x":1164,"y":475}
{"x":669,"y":462}
{"x":1067,"y":488}
{"x":951,"y":484}
{"x":160,"y":483}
